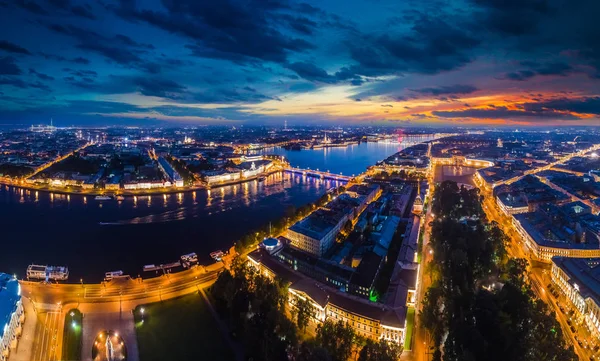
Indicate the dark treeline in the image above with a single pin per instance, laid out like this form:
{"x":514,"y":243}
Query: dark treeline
{"x":257,"y":312}
{"x":480,"y":306}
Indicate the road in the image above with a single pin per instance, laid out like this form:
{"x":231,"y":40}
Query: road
{"x":52,"y":301}
{"x":58,"y":159}
{"x":421,"y":340}
{"x":537,"y":272}
{"x":516,"y":248}
{"x":550,"y":165}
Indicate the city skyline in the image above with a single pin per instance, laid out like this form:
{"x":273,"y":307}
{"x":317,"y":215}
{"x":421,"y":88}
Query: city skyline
{"x":467,"y":62}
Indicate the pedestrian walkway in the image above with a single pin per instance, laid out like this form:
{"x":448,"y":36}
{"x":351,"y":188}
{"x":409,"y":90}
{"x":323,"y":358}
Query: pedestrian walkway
{"x":24,"y":349}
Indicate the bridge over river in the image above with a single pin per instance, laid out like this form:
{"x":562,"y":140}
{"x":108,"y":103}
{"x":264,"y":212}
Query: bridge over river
{"x":319,"y":174}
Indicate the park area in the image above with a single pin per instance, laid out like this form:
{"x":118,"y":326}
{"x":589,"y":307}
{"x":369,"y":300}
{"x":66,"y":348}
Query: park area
{"x":72,"y":336}
{"x":179,"y":329}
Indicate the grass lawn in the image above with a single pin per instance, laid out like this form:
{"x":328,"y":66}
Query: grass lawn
{"x":410,"y":322}
{"x":72,"y":340}
{"x":179,"y":329}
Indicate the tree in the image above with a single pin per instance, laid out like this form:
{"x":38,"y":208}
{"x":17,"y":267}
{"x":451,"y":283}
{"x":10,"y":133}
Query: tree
{"x":506,"y":323}
{"x":336,"y":338}
{"x":431,"y":314}
{"x":223,"y":292}
{"x":304,"y":312}
{"x":515,"y":271}
{"x":311,"y":351}
{"x":380,"y":351}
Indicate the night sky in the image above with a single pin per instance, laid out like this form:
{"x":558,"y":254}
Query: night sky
{"x":408,"y":62}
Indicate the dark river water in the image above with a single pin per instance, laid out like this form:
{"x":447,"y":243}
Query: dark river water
{"x":93,"y":237}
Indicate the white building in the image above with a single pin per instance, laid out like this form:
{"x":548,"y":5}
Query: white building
{"x":11,"y":314}
{"x":579,"y":280}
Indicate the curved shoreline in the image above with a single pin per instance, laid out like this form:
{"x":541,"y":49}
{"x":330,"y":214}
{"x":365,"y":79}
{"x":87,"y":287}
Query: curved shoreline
{"x":131,"y":193}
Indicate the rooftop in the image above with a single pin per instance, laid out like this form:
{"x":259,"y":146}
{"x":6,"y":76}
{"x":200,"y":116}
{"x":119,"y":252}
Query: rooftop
{"x":583,"y":272}
{"x":562,"y":226}
{"x":317,"y":224}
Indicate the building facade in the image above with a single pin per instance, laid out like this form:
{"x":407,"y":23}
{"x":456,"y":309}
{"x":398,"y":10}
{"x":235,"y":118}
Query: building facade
{"x":368,"y":319}
{"x":316,"y":233}
{"x":545,"y":252}
{"x":11,"y":314}
{"x":579,"y":281}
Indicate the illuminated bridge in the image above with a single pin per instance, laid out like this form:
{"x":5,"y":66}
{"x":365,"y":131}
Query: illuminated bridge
{"x":319,"y":174}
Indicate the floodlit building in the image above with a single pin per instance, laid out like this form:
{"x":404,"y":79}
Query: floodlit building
{"x":316,"y":233}
{"x":11,"y":314}
{"x":579,"y":280}
{"x":568,"y":230}
{"x":368,"y":319}
{"x":168,"y":170}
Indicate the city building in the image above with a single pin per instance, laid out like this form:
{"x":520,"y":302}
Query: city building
{"x":368,"y":319}
{"x":170,"y":173}
{"x":579,"y":281}
{"x":526,"y":195}
{"x":568,"y":230}
{"x":11,"y":314}
{"x":316,"y":233}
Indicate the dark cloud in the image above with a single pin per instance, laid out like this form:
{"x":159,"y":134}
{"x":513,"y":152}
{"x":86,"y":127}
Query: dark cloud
{"x":432,"y":46}
{"x":158,"y":87}
{"x":531,"y":27}
{"x":13,"y":48}
{"x":40,"y":75}
{"x":100,"y":107}
{"x":83,"y":11}
{"x":300,"y":24}
{"x":589,"y":105}
{"x":31,"y":6}
{"x":4,"y":80}
{"x":520,"y":75}
{"x":535,"y":68}
{"x":41,"y":86}
{"x":154,"y":86}
{"x":222,"y":95}
{"x":311,"y":72}
{"x":514,"y":17}
{"x":308,"y":9}
{"x":556,"y":68}
{"x":77,"y":60}
{"x":500,"y":112}
{"x":232,"y":30}
{"x":120,"y":48}
{"x":8,"y":66}
{"x":63,"y":4}
{"x":80,"y":60}
{"x":19,"y":83}
{"x":80,"y":73}
{"x":458,"y":89}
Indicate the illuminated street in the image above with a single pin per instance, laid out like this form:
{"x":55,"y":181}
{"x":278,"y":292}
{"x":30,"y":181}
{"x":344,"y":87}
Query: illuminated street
{"x":117,"y":298}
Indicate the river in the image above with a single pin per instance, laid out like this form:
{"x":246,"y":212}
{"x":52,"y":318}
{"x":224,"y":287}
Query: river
{"x":93,"y":237}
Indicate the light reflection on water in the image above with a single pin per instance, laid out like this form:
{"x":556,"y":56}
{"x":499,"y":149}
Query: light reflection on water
{"x":73,"y":230}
